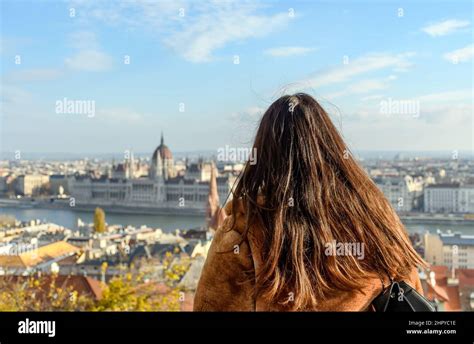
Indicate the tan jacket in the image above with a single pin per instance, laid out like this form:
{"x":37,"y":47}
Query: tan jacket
{"x":228,"y":277}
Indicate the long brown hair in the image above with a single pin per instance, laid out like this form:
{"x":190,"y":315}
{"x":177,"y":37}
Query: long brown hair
{"x":314,"y":193}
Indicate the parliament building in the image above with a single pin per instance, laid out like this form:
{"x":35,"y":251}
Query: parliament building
{"x":162,"y":190}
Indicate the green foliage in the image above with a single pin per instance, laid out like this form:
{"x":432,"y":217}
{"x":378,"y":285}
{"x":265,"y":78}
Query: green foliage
{"x":126,"y":292}
{"x":132,"y":293}
{"x":37,"y":295}
{"x":119,"y":295}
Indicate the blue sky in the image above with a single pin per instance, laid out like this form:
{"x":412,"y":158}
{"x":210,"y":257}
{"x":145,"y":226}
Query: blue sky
{"x":350,"y":55}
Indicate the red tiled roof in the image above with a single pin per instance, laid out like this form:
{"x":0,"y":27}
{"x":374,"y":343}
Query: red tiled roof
{"x":449,"y":294}
{"x":439,"y":270}
{"x":82,"y":284}
{"x":466,"y":277}
{"x":42,"y":254}
{"x":161,"y":288}
{"x":454,"y":303}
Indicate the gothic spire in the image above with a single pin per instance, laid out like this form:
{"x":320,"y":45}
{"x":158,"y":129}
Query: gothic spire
{"x":215,"y":214}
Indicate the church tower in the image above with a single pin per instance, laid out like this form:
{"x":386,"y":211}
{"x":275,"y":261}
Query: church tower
{"x":131,"y":166}
{"x":215,"y":215}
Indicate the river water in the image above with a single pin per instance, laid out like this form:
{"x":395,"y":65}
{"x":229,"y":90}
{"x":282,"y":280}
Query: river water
{"x":68,"y":218}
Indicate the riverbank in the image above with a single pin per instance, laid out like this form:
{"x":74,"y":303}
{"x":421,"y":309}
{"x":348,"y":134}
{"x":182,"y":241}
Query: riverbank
{"x":69,"y":217}
{"x":49,"y":203}
{"x":436,"y":219}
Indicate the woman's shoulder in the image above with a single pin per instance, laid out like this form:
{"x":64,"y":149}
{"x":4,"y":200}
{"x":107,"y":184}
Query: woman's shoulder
{"x":231,"y":232}
{"x":226,"y":281}
{"x":236,"y":231}
{"x":237,"y":217}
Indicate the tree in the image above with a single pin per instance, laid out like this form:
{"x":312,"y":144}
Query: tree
{"x":133,"y":292}
{"x":99,"y":220}
{"x":7,"y":221}
{"x":39,"y":294}
{"x":127,"y":291}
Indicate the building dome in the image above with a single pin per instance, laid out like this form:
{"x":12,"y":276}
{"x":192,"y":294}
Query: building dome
{"x":163,"y":151}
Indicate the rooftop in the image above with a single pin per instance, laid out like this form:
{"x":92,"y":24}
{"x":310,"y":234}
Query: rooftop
{"x":443,"y":186}
{"x":457,"y":239}
{"x":35,"y":257}
{"x":82,"y":284}
{"x":448,"y":294}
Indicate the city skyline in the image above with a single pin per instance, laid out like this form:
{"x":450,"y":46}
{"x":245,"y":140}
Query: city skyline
{"x":293,"y":156}
{"x":212,"y":154}
{"x":204,"y":77}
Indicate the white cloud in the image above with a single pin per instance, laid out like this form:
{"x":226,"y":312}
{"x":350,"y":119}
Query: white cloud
{"x":36,"y":74}
{"x":249,"y":113}
{"x":89,"y":55}
{"x":12,"y":95}
{"x":446,"y":113}
{"x":130,"y":14}
{"x":193,"y":29}
{"x":368,"y":85}
{"x":89,"y":60}
{"x":358,"y":67}
{"x":442,"y":107}
{"x":288,"y":51}
{"x":83,"y":40}
{"x":448,"y":96}
{"x":445,"y":27}
{"x":362,"y":87}
{"x":460,"y":55}
{"x":197,"y":40}
{"x":410,"y":134}
{"x":255,"y":111}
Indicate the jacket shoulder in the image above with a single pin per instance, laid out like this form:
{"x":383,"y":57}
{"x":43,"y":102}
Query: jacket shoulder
{"x":227,"y":279}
